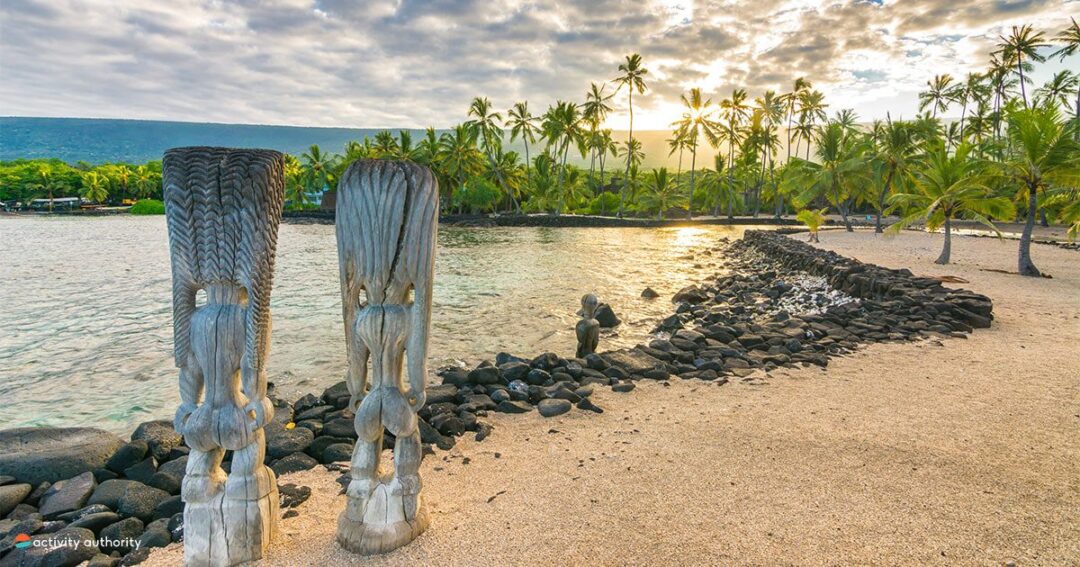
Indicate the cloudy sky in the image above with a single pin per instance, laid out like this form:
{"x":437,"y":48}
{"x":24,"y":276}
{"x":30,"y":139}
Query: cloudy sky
{"x":413,"y":63}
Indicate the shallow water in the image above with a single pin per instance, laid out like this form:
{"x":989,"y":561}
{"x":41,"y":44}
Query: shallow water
{"x":86,"y":324}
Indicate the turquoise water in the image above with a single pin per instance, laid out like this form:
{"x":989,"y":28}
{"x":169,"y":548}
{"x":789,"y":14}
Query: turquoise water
{"x":85,"y":314}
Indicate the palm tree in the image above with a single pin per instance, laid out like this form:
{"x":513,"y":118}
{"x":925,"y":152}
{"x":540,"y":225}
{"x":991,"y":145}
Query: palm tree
{"x":605,"y":146}
{"x":1043,"y":152}
{"x":811,"y":111}
{"x":486,"y":122}
{"x":95,"y":187}
{"x":561,"y":127}
{"x":841,"y":170}
{"x":318,"y":170}
{"x":385,"y":145}
{"x":522,"y":123}
{"x":735,"y":111}
{"x":717,"y":183}
{"x":790,"y":99}
{"x":896,"y":147}
{"x":459,"y":157}
{"x":664,"y":193}
{"x":937,"y":95}
{"x":1069,"y":39}
{"x":946,"y":187}
{"x":813,"y":219}
{"x":696,"y":122}
{"x":633,"y":78}
{"x":145,"y":181}
{"x":594,"y":112}
{"x":970,"y":89}
{"x":1022,"y":42}
{"x":1058,"y":89}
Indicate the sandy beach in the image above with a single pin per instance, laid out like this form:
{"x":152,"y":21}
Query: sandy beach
{"x":960,"y":451}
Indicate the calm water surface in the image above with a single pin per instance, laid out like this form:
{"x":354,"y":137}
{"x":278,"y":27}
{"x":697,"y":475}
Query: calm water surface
{"x":86,"y":323}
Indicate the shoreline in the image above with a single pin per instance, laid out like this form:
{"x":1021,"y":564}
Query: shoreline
{"x":710,"y":346}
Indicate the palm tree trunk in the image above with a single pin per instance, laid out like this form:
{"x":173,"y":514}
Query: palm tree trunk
{"x":603,"y":188}
{"x":693,"y":171}
{"x":1025,"y":266}
{"x":1042,"y":218}
{"x":562,"y":170}
{"x":947,"y":249}
{"x":629,"y":153}
{"x":1020,"y":67}
{"x":963,"y":113}
{"x":528,"y":173}
{"x":881,"y":201}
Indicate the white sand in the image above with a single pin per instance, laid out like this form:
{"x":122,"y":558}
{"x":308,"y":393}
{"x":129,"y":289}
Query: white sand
{"x":953,"y":452}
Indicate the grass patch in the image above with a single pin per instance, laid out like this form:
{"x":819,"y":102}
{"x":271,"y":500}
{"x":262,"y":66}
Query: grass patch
{"x":148,"y":207}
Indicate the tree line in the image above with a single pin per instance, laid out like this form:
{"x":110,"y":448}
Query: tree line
{"x":1012,"y":155}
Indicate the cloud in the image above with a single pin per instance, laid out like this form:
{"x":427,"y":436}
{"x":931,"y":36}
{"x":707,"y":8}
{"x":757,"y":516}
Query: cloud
{"x":413,"y":63}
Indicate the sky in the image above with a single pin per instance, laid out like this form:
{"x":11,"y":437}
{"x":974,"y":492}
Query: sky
{"x":418,"y":63}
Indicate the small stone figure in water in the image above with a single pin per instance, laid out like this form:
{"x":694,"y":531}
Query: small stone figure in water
{"x":588,"y":328}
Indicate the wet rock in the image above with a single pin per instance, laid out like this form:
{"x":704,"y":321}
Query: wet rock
{"x":547,"y":361}
{"x":166,"y":481}
{"x":314,"y":412}
{"x":596,"y":362}
{"x":429,"y":435}
{"x":67,"y":495}
{"x":308,"y":401}
{"x":606,"y":316}
{"x":623,"y":387}
{"x":142,"y":471}
{"x":37,"y":454}
{"x":553,"y":407}
{"x":649,"y":293}
{"x":176,"y":527}
{"x":537,"y":377}
{"x":690,"y":294}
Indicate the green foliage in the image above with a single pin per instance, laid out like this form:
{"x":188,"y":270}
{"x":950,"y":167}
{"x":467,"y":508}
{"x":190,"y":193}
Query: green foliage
{"x":477,"y":195}
{"x":813,"y":219}
{"x":148,"y":207}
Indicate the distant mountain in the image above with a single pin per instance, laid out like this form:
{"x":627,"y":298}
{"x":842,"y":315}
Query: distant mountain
{"x":136,"y":141}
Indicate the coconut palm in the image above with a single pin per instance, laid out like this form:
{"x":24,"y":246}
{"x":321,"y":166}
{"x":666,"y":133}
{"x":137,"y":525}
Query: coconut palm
{"x":594,"y":111}
{"x":1023,"y":42}
{"x":842,"y":169}
{"x":814,"y":219}
{"x":937,"y":95}
{"x":735,"y":111}
{"x":385,"y":145}
{"x":522,"y":124}
{"x":719,"y":185}
{"x":663,"y":192}
{"x":1043,"y":152}
{"x":790,"y":100}
{"x":1069,"y":39}
{"x":811,"y":111}
{"x":948,"y":186}
{"x":633,"y":78}
{"x":146,"y":181}
{"x":1058,"y":90}
{"x":561,"y":127}
{"x":605,"y":146}
{"x":895,"y":149}
{"x":486,"y":122}
{"x":318,"y":168}
{"x":95,"y":187}
{"x":459,"y":157}
{"x":696,"y":123}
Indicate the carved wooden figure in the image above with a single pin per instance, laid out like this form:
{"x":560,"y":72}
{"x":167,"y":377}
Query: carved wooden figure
{"x":588,"y":328}
{"x":387,"y":214}
{"x":223,"y":207}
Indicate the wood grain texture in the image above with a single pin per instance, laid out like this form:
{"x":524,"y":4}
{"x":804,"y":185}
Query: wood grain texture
{"x":386,"y":228}
{"x":223,"y":207}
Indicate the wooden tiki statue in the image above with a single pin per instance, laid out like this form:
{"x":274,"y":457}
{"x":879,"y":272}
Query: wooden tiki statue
{"x":223,"y":207}
{"x":387,"y":214}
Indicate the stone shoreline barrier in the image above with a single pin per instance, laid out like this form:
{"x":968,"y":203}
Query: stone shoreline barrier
{"x":779,"y":303}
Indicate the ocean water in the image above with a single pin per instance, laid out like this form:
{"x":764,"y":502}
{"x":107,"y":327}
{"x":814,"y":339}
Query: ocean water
{"x":86,"y":315}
